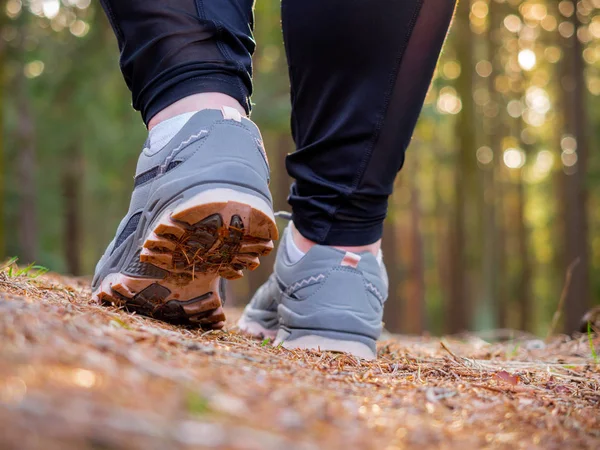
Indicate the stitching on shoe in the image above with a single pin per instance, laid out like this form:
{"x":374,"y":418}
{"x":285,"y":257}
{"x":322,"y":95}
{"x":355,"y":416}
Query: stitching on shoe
{"x":192,"y":138}
{"x":373,"y":289}
{"x":304,"y":282}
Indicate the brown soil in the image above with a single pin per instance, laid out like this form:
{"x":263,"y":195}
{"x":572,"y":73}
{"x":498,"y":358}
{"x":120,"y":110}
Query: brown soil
{"x":74,"y":375}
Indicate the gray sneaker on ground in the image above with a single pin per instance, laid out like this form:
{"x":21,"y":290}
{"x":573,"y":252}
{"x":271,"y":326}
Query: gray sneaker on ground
{"x":328,"y":300}
{"x":200,"y":210}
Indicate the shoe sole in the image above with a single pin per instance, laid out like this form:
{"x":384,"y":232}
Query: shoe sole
{"x":216,"y":233}
{"x":255,"y":329}
{"x":320,"y":343}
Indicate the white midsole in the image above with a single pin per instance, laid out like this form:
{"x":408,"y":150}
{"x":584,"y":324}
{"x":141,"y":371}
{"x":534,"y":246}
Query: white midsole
{"x":321,"y":343}
{"x":224,"y":195}
{"x":254,"y":328}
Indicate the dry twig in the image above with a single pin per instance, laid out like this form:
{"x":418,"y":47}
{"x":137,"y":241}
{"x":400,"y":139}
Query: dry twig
{"x":563,"y":297}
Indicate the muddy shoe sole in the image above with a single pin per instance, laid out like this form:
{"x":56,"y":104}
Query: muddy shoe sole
{"x":215,"y":234}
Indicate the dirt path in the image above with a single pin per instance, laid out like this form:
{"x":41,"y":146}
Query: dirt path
{"x":75,"y":375}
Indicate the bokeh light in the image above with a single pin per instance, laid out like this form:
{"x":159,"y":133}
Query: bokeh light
{"x":480,"y":9}
{"x":33,"y":69}
{"x":515,"y":109}
{"x":13,"y":8}
{"x":568,"y":159}
{"x":514,"y":158}
{"x":552,"y":54}
{"x":566,"y":8}
{"x":451,"y":70}
{"x":512,"y":23}
{"x":50,"y":8}
{"x":79,"y":28}
{"x":568,"y":144}
{"x":549,"y":23}
{"x":538,"y":100}
{"x":527,"y":59}
{"x":483,"y":68}
{"x":448,"y":101}
{"x":542,"y":166}
{"x":485,"y":155}
{"x":566,"y":29}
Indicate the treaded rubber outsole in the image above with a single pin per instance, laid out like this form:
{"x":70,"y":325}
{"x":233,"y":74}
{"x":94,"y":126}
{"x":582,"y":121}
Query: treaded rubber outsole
{"x":215,"y":234}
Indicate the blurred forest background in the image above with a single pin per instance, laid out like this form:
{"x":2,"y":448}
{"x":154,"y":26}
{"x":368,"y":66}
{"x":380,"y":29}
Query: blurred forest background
{"x":498,"y":197}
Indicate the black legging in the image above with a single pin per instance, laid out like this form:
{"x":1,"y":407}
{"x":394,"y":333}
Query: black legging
{"x":359,"y":71}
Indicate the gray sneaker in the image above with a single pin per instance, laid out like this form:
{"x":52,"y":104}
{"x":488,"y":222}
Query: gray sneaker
{"x":260,"y":317}
{"x":329,"y":300}
{"x":200,"y":210}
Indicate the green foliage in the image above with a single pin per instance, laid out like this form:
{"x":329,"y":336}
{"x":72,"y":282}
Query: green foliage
{"x":118,"y":323}
{"x":30,"y":272}
{"x":511,"y":353}
{"x":9,"y":263}
{"x":197,"y":404}
{"x":590,"y":334}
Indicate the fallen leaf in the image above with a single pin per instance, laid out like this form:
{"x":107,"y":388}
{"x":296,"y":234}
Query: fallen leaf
{"x":559,"y":388}
{"x":503,"y":375}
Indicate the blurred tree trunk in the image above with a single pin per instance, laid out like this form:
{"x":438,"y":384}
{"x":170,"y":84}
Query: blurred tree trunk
{"x":574,"y":186}
{"x":25,"y":160}
{"x":393,"y":312}
{"x":285,"y":146}
{"x":26,"y":169}
{"x":459,"y":308}
{"x":488,"y":309}
{"x":502,"y":302}
{"x":442,"y":230}
{"x":72,"y":184}
{"x":3,"y":20}
{"x":497,"y":12}
{"x":524,"y":283}
{"x":415,"y":300}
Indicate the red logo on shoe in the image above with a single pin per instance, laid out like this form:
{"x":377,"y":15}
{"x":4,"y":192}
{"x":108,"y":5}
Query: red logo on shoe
{"x":351,"y":260}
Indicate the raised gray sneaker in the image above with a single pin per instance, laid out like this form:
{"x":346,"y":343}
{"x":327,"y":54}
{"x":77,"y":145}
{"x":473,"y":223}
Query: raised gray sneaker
{"x":329,"y":300}
{"x":200,"y":210}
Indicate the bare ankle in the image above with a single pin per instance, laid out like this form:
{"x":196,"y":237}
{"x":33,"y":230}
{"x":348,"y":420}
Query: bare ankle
{"x":305,"y":244}
{"x":196,"y":102}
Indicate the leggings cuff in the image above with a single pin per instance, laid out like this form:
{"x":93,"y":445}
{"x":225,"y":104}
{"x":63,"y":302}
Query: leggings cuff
{"x":225,"y":84}
{"x":328,"y":233}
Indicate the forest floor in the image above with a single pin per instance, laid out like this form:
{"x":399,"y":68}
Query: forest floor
{"x":74,"y":375}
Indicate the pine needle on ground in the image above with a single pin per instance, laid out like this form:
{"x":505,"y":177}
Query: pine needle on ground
{"x":74,"y":375}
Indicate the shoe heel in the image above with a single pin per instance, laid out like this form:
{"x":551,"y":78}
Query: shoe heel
{"x":218,"y":231}
{"x":212,"y":234}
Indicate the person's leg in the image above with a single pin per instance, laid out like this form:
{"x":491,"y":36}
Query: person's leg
{"x":176,"y":49}
{"x":359,"y":74}
{"x":359,"y":71}
{"x":201,"y":209}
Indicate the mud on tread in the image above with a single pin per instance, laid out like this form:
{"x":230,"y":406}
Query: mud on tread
{"x":185,"y":252}
{"x":204,"y":311}
{"x":208,"y":246}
